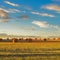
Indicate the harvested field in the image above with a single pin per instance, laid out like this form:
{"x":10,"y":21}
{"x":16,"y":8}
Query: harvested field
{"x":30,"y":51}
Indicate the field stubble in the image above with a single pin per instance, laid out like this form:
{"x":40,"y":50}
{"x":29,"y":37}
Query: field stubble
{"x":34,"y":51}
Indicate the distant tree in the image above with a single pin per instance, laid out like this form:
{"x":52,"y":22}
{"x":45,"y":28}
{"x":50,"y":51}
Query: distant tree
{"x":14,"y":40}
{"x":26,"y":39}
{"x":1,"y":39}
{"x":30,"y":40}
{"x":7,"y":39}
{"x":35,"y":38}
{"x":45,"y":39}
{"x":54,"y":38}
{"x":21,"y":39}
{"x":58,"y":38}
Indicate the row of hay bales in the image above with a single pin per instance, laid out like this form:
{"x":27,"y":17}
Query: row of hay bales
{"x":28,"y":39}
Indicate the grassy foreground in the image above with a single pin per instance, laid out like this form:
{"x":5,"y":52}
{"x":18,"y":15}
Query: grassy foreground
{"x":34,"y":51}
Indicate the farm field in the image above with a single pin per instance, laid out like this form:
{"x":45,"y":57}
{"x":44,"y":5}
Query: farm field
{"x":30,"y":51}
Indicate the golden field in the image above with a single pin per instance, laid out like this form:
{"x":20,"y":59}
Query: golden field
{"x":30,"y":45}
{"x":30,"y":48}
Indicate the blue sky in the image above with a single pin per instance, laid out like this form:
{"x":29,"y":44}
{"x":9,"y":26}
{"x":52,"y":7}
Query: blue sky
{"x":30,"y":17}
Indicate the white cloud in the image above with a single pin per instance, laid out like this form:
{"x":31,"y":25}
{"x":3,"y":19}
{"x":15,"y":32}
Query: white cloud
{"x":4,"y":10}
{"x":52,"y":7}
{"x":10,"y":3}
{"x":44,"y":24}
{"x":11,"y":10}
{"x":3,"y":14}
{"x":14,"y":10}
{"x":43,"y":14}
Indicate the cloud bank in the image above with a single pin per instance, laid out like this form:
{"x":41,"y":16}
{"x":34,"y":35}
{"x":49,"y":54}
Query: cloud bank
{"x":52,"y":7}
{"x":44,"y":24}
{"x":43,"y":14}
{"x":12,"y":4}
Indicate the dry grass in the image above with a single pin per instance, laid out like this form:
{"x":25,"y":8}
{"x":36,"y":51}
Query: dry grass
{"x":30,"y":45}
{"x":16,"y":48}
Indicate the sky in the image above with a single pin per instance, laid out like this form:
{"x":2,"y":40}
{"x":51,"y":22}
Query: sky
{"x":30,"y":17}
